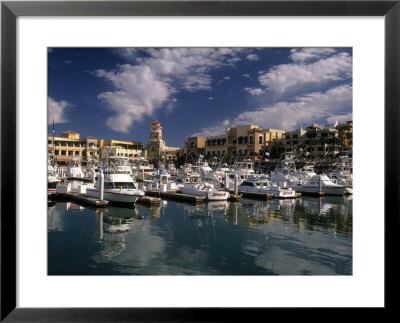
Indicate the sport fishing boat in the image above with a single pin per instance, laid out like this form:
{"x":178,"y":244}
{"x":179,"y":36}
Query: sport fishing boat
{"x":52,"y":179}
{"x":119,"y":187}
{"x":206,"y":190}
{"x":74,"y":169}
{"x":263,"y":186}
{"x":320,"y":183}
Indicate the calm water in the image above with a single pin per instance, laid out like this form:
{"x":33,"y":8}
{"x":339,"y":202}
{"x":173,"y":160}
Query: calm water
{"x":306,"y":236}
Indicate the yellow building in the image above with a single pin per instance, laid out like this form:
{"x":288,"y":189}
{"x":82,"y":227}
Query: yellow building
{"x":68,"y":145}
{"x":271,"y":134}
{"x":131,"y":149}
{"x":215,"y":146}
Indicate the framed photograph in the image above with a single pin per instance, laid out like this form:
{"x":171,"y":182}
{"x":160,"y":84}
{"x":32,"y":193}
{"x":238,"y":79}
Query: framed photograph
{"x":197,"y":152}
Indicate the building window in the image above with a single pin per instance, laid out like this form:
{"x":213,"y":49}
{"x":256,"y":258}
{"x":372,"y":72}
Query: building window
{"x":251,"y":140}
{"x":70,"y":153}
{"x":76,"y":153}
{"x":260,"y":139}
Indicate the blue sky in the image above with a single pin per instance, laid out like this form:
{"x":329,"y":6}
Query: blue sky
{"x":115,"y":93}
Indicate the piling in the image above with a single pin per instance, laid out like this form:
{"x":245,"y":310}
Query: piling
{"x":235,"y":191}
{"x":101,"y":185}
{"x":93,"y":176}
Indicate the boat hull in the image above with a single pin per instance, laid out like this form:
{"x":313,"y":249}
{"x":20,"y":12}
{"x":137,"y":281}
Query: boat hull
{"x":278,"y":193}
{"x":208,"y":195}
{"x":114,"y":196}
{"x":328,"y":190}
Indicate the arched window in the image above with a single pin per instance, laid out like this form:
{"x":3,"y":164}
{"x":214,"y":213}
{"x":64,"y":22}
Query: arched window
{"x":260,"y":139}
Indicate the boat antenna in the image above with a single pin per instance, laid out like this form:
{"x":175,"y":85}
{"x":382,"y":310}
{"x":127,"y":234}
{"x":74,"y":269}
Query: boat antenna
{"x":54,"y":155}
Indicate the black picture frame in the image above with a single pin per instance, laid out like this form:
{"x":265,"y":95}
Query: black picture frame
{"x":10,"y":10}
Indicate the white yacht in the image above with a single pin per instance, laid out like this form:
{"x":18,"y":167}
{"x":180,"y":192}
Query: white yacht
{"x":206,"y":190}
{"x":52,"y":179}
{"x":262,"y":186}
{"x":119,"y":187}
{"x":74,"y":169}
{"x":320,"y":183}
{"x":243,"y":169}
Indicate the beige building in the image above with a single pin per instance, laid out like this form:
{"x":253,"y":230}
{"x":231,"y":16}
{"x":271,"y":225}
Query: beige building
{"x":215,"y":146}
{"x":131,"y":149}
{"x":345,"y":135}
{"x":69,"y":145}
{"x":194,"y":147}
{"x":248,"y":141}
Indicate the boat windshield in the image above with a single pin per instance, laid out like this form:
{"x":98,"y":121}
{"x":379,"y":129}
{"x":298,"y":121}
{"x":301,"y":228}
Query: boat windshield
{"x":120,"y":185}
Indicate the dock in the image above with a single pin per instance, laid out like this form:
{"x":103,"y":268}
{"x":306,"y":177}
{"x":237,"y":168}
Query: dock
{"x":258,"y":195}
{"x":172,"y":195}
{"x":233,"y":197}
{"x":148,"y":201}
{"x":313,"y":193}
{"x":80,"y":199}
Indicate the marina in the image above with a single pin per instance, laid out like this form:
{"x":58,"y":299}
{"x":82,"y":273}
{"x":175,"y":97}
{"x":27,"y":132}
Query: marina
{"x":256,"y":177}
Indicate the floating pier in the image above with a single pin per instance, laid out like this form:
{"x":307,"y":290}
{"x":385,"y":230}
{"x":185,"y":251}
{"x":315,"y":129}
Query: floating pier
{"x":313,"y":193}
{"x":171,"y":195}
{"x":234,"y":197}
{"x":148,"y":201}
{"x":258,"y":195}
{"x":80,"y":199}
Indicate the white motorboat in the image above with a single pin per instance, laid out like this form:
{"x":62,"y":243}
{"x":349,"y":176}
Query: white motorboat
{"x":52,"y":179}
{"x":243,"y":169}
{"x":284,"y":171}
{"x":118,"y":188}
{"x":206,"y":190}
{"x":74,"y":169}
{"x":320,"y":183}
{"x":342,"y":174}
{"x":263,"y":186}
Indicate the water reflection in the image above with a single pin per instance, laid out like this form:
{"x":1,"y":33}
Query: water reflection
{"x":314,"y":213}
{"x":114,"y":228}
{"x":251,"y":237}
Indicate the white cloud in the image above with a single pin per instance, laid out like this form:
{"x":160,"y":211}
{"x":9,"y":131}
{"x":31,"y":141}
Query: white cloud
{"x":301,"y":55}
{"x":252,"y":57}
{"x":215,"y":130}
{"x":304,"y":109}
{"x":210,"y":98}
{"x":138,"y":92}
{"x":246,"y":75}
{"x":254,"y":91}
{"x":340,"y":118}
{"x":143,"y":88}
{"x":56,"y":110}
{"x":290,"y":77}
